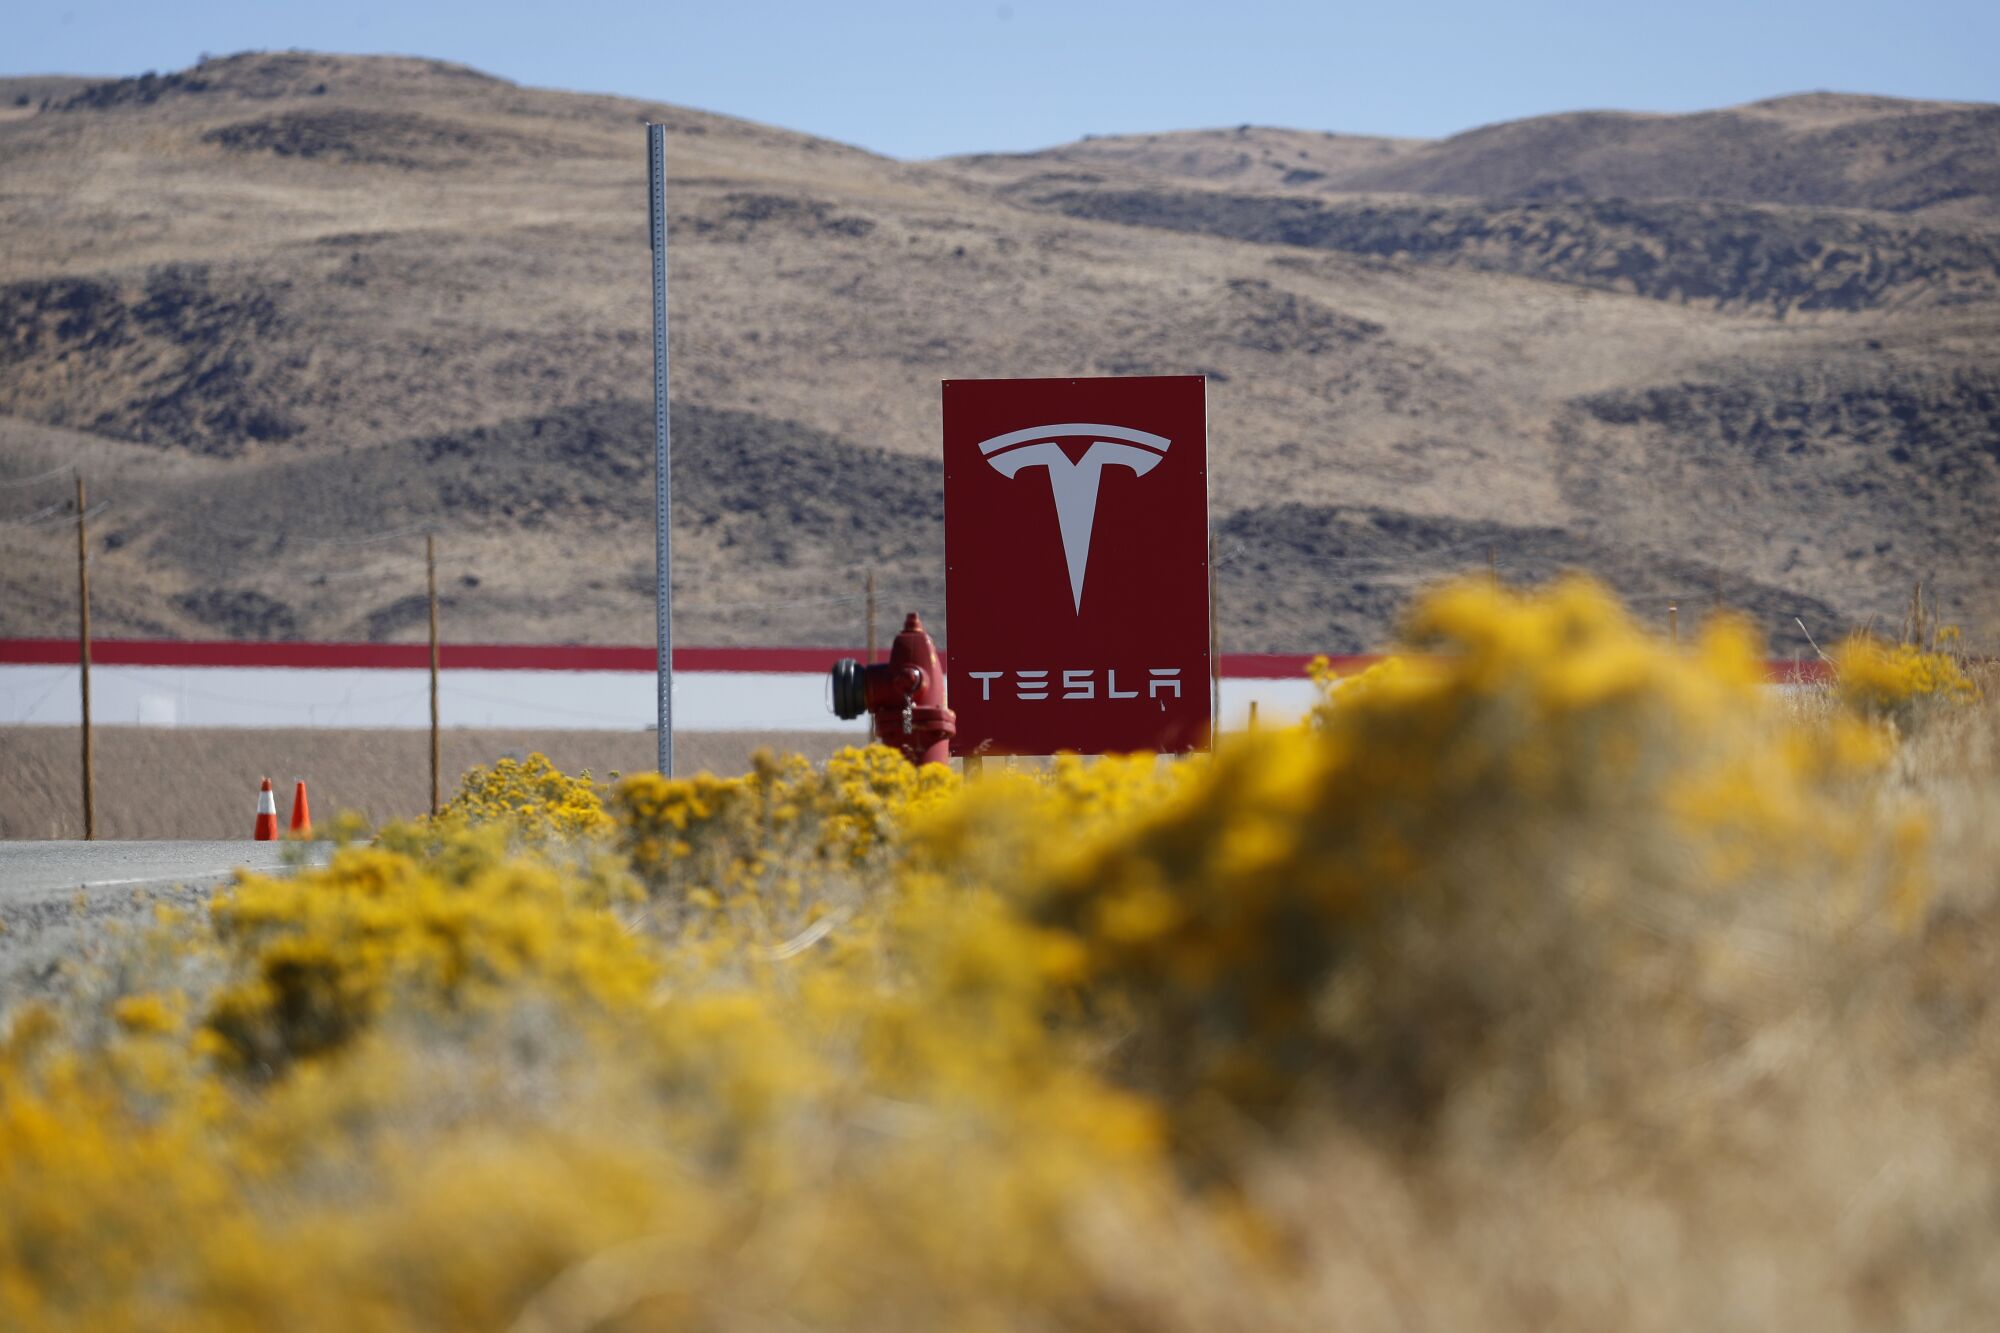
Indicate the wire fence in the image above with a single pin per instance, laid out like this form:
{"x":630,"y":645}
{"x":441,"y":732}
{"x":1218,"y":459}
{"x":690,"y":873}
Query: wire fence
{"x":62,"y":470}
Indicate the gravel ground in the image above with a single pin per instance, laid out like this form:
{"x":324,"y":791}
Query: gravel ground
{"x":59,"y":900}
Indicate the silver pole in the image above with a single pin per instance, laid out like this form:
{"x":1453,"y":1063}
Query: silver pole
{"x":663,"y":482}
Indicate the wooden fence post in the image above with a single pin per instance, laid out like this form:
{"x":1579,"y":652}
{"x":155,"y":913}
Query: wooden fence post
{"x":871,"y":645}
{"x":431,"y":577}
{"x":871,"y":618}
{"x":83,"y":659}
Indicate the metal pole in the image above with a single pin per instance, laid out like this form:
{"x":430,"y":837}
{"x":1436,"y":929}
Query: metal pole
{"x":431,"y":577}
{"x":663,"y":487}
{"x":871,"y":645}
{"x":83,"y":657}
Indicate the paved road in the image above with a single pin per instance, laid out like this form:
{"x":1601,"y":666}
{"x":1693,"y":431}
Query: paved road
{"x":34,"y":871}
{"x":64,"y":903}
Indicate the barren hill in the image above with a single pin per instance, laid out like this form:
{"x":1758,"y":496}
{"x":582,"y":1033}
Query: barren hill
{"x":1827,"y":150}
{"x":289,"y":311}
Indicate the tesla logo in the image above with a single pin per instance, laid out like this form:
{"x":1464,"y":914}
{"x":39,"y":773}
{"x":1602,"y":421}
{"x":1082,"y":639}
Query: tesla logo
{"x":1074,"y":482}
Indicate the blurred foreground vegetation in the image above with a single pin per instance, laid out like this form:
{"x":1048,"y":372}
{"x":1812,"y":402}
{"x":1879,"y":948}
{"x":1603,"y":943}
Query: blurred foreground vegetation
{"x":1543,"y":979}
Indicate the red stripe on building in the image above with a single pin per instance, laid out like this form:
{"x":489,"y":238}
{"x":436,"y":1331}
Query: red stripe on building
{"x":411,"y":656}
{"x":1798,"y":671}
{"x":587,"y":657}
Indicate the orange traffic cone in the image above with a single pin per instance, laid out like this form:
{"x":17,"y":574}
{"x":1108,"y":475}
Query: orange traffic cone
{"x":267,"y":814}
{"x":302,"y":818}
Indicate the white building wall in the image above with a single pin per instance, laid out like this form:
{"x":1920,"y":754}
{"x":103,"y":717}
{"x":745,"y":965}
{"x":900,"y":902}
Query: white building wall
{"x":160,"y":696}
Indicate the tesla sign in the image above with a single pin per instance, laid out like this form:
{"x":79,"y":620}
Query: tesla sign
{"x":1076,"y":564}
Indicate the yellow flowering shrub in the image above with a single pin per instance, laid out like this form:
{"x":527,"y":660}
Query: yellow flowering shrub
{"x":146,"y":1013}
{"x":1475,"y":804}
{"x":1012,"y":826}
{"x":320,"y":955}
{"x":532,"y":796}
{"x":1320,"y":670}
{"x":1119,"y":1043}
{"x":1898,"y":680}
{"x":486,"y":1099}
{"x":720,"y":838}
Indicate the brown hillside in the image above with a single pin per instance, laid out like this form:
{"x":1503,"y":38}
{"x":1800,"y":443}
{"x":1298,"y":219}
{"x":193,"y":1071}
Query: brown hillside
{"x":292,"y":310}
{"x":1826,"y":150}
{"x":22,"y":95}
{"x":1821,"y":149}
{"x":1249,"y":156}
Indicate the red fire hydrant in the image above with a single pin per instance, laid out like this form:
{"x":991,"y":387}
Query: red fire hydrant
{"x":906,"y":695}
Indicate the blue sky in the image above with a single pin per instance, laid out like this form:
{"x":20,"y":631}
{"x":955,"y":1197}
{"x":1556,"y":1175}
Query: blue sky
{"x":919,"y":79}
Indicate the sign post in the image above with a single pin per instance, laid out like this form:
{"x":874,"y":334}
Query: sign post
{"x":1077,"y":564}
{"x":663,"y":485}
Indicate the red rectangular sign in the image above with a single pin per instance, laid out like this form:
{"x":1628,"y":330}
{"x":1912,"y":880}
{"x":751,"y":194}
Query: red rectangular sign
{"x":1076,"y":564}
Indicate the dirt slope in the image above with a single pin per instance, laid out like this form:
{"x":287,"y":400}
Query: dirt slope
{"x":292,"y":310}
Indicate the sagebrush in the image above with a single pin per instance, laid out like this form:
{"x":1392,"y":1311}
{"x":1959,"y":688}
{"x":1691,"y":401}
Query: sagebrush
{"x":1545,"y":978}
